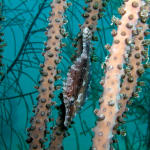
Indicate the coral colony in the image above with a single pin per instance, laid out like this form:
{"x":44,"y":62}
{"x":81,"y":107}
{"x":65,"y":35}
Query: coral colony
{"x":125,"y":63}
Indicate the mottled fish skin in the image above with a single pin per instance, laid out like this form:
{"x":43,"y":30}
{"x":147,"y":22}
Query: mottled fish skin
{"x":77,"y":80}
{"x":86,"y":80}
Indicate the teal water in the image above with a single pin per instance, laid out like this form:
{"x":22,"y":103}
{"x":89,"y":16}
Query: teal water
{"x":23,"y":29}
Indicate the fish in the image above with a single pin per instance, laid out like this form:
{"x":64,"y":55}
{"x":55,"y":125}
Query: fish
{"x":76,"y":85}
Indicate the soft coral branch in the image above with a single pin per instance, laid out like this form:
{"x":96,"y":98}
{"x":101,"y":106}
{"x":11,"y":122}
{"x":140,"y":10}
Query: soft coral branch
{"x":114,"y":70}
{"x":38,"y":129}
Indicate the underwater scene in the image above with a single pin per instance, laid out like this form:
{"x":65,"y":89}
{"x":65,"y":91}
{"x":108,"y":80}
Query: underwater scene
{"x":74,"y":75}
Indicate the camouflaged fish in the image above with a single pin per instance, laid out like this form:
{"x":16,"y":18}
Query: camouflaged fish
{"x":75,"y":88}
